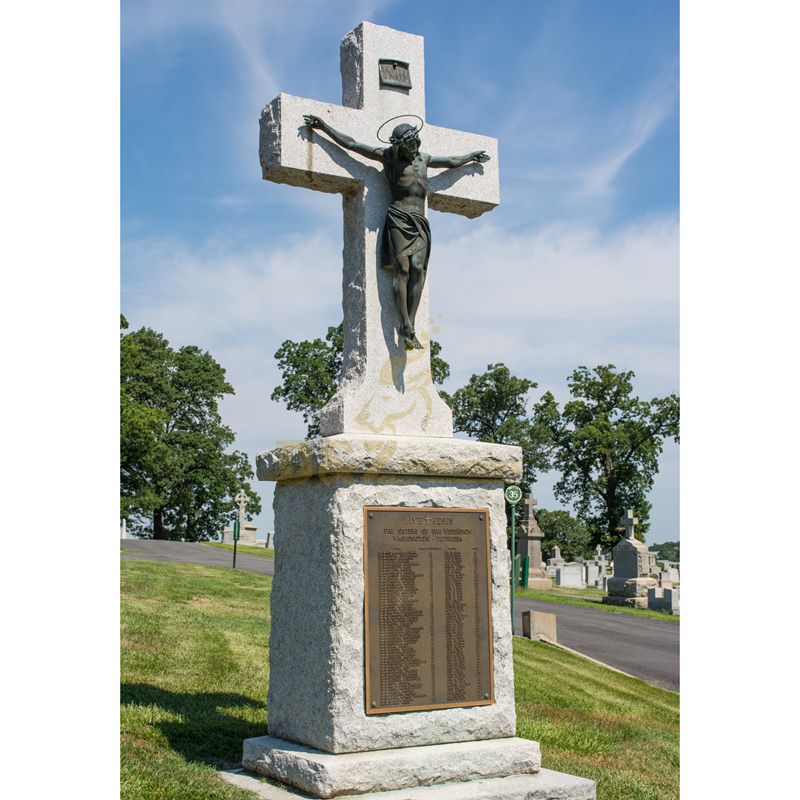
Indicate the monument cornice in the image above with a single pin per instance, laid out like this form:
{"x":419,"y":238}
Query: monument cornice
{"x":390,"y":455}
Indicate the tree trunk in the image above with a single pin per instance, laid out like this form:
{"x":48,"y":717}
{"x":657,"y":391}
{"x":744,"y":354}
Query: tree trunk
{"x":158,"y":524}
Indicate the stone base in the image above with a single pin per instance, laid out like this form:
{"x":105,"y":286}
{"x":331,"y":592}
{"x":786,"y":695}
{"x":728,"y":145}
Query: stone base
{"x":542,"y":584}
{"x":630,"y":587}
{"x":328,"y":775}
{"x":618,"y":600}
{"x":317,"y":655}
{"x":544,"y":785}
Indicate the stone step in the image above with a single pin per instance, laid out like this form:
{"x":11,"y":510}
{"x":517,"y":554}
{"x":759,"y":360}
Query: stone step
{"x":544,"y":785}
{"x":333,"y":774}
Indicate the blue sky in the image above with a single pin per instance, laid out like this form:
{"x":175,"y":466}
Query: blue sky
{"x":583,"y":97}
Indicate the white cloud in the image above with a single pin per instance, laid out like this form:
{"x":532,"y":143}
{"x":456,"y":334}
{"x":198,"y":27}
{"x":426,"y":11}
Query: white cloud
{"x":543,"y":302}
{"x":550,"y":300}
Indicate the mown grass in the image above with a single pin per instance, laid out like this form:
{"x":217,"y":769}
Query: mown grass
{"x":590,"y":721}
{"x":248,"y":549}
{"x":587,"y":599}
{"x":194,"y":668}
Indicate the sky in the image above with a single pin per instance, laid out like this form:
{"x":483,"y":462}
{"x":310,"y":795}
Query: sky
{"x":582,"y":252}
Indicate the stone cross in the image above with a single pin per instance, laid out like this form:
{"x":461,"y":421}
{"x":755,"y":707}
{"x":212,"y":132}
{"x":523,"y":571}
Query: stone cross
{"x":530,"y":502}
{"x":628,"y":521}
{"x":383,"y":388}
{"x":241,"y":501}
{"x":534,"y":534}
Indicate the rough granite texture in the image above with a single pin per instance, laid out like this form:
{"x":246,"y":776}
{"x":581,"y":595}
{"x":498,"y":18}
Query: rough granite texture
{"x":384,"y":389}
{"x":316,"y":687}
{"x":544,"y":785}
{"x":630,"y":587}
{"x":389,"y":455}
{"x":326,"y":775}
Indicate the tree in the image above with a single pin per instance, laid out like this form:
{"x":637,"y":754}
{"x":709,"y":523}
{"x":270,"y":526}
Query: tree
{"x":668,"y":551}
{"x":606,"y":443}
{"x":492,"y":407}
{"x":177,"y":478}
{"x":561,"y":528}
{"x":310,"y":372}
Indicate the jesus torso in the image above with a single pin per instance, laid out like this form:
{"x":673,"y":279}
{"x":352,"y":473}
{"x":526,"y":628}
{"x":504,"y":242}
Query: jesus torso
{"x":408,"y":180}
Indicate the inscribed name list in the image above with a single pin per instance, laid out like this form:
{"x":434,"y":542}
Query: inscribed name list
{"x":427,"y":609}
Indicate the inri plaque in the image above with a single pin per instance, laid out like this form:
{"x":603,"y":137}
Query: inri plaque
{"x":427,"y":609}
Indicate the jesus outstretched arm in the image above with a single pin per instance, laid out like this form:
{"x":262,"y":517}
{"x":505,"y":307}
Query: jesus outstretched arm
{"x":343,"y":140}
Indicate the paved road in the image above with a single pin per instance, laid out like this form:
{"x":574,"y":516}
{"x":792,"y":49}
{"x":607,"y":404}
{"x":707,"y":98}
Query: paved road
{"x":646,"y":648}
{"x":190,"y":553}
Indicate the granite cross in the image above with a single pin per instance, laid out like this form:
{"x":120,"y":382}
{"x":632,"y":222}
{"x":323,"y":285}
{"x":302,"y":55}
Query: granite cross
{"x":383,"y":388}
{"x":241,"y":501}
{"x":530,"y":502}
{"x":628,"y":521}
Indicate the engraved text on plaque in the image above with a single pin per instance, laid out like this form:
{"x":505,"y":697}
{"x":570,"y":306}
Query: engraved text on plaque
{"x":427,"y":608}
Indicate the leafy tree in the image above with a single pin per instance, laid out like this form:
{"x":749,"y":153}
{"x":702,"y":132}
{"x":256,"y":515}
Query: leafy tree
{"x":177,"y":478}
{"x":492,"y":407}
{"x":669,"y":551}
{"x":606,"y":443}
{"x":310,"y":372}
{"x":561,"y":528}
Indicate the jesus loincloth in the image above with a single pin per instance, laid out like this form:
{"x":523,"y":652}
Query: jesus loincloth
{"x":414,"y":231}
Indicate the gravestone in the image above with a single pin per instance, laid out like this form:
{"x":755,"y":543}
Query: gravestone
{"x":664,"y":598}
{"x":532,"y":537}
{"x":571,"y":576}
{"x":555,"y":562}
{"x":390,"y":640}
{"x":632,"y":577}
{"x":247,"y":534}
{"x":593,"y":573}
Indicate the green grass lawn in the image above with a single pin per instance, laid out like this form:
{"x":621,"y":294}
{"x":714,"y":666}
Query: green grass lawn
{"x":244,"y":548}
{"x":194,"y":669}
{"x":590,"y":598}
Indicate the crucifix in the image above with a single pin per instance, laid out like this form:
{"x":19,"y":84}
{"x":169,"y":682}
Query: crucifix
{"x":385,"y":385}
{"x":628,"y":521}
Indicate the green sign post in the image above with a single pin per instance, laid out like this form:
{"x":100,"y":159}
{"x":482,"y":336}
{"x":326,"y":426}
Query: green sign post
{"x":513,"y":496}
{"x":235,"y":539}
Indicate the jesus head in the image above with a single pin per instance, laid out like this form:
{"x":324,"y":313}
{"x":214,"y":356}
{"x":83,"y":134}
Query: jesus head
{"x":405,"y":138}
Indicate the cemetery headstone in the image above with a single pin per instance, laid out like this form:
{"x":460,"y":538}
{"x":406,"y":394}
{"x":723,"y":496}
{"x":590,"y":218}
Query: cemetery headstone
{"x":664,"y":598}
{"x":554,"y":562}
{"x":390,"y":640}
{"x":532,"y":536}
{"x":632,"y":577}
{"x":571,"y":576}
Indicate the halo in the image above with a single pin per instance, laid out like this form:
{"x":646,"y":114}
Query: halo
{"x":392,"y":119}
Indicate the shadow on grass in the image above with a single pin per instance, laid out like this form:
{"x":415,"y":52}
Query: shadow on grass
{"x":205,"y":732}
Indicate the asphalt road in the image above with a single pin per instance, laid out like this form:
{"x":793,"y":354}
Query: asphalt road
{"x":645,"y":648}
{"x":190,"y":553}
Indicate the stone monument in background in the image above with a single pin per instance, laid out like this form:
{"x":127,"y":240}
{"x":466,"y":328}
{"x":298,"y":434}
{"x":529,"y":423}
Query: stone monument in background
{"x":390,"y":642}
{"x":631,"y":580}
{"x":533,"y":535}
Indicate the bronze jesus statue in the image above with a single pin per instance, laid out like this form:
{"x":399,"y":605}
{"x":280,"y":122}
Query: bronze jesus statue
{"x":406,"y":243}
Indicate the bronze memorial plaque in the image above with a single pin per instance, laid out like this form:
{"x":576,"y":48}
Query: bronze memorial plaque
{"x":427,"y":608}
